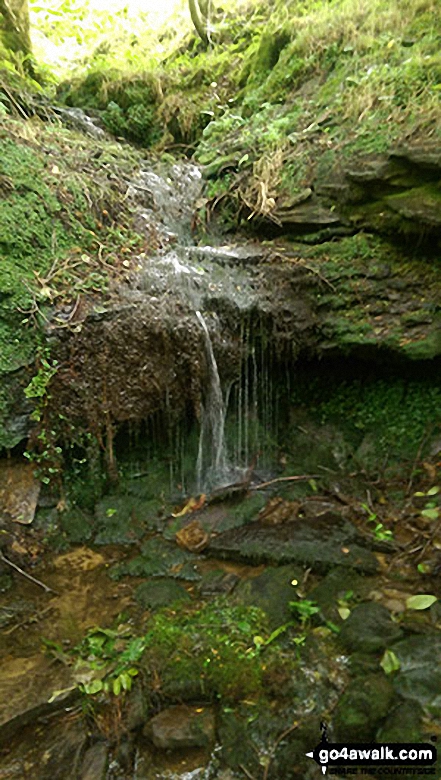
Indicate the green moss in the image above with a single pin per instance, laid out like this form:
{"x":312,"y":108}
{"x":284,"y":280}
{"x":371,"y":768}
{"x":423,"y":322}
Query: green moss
{"x":159,"y":558}
{"x":267,"y":54}
{"x":248,"y":509}
{"x":210,"y":649}
{"x":58,"y":208}
{"x":393,"y":413}
{"x":425,"y":347}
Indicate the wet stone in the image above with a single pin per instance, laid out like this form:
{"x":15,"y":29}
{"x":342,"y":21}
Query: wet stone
{"x":124,"y":519}
{"x":27,"y":688}
{"x":5,"y":583}
{"x":160,"y":593}
{"x":46,"y":750}
{"x":238,"y":748}
{"x":135,"y":709}
{"x":94,"y":766}
{"x":360,"y":711}
{"x":369,"y":629}
{"x":217,"y":582}
{"x":19,"y":491}
{"x":317,"y":543}
{"x":403,"y":724}
{"x":182,"y":727}
{"x":158,"y":558}
{"x":337,"y":586}
{"x":271,"y":591}
{"x":419,"y":676}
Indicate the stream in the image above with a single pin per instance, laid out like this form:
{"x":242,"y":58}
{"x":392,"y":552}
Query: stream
{"x":246,"y":544}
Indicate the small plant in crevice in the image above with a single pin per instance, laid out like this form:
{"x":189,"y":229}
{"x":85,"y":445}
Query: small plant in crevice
{"x":215,"y":647}
{"x":104,"y":661}
{"x":45,"y":451}
{"x":379,"y":531}
{"x":304,"y":610}
{"x":431,"y":510}
{"x":344,"y":604}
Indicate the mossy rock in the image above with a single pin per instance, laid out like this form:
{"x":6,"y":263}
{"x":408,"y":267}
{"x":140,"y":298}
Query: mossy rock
{"x":403,"y":724}
{"x":128,"y":103}
{"x":271,"y":591}
{"x":123,"y":518}
{"x":158,"y":558}
{"x":160,"y":593}
{"x":369,"y":629}
{"x":359,"y":712}
{"x":76,"y":525}
{"x":267,"y":55}
{"x":205,"y":650}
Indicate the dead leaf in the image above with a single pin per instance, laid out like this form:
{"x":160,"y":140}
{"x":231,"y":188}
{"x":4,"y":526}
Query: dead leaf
{"x":193,"y":537}
{"x":191,"y":506}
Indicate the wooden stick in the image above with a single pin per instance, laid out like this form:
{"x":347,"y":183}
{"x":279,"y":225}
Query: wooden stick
{"x":300,"y":478}
{"x":28,"y":576}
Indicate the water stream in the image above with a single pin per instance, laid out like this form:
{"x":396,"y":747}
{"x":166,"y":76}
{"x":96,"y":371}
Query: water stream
{"x":212,"y":462}
{"x":193,"y":276}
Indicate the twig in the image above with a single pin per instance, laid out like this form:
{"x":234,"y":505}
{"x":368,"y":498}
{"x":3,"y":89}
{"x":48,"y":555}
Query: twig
{"x":32,"y":619}
{"x":245,"y":771}
{"x":28,"y":576}
{"x":417,"y":458}
{"x":292,"y":259}
{"x":429,"y":541}
{"x":276,"y":745}
{"x":298,"y":478}
{"x":14,"y":102}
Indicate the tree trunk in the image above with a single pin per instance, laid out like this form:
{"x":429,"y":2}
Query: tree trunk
{"x":198,"y":19}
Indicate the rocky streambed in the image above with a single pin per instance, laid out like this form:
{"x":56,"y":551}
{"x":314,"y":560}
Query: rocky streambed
{"x":259,"y":618}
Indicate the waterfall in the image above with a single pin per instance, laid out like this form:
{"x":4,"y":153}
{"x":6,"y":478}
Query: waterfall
{"x":194,"y":276}
{"x":212,"y":464}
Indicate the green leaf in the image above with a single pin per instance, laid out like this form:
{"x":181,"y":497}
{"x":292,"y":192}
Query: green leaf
{"x":390,"y":663}
{"x":126,"y":681}
{"x":344,"y":612}
{"x":433,"y":490}
{"x":276,"y":633}
{"x":116,"y":687}
{"x":93,"y":687}
{"x":422,"y":601}
{"x":423,"y":568}
{"x":431,"y":514}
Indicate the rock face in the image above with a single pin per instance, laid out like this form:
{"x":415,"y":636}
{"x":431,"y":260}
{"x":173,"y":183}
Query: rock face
{"x":143,"y":351}
{"x":392,"y":194}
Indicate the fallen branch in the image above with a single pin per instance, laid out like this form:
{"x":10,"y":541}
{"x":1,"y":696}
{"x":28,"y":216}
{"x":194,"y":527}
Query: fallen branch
{"x":28,"y":576}
{"x":299,"y":478}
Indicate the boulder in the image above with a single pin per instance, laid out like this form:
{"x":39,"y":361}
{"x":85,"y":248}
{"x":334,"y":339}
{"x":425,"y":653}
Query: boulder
{"x":180,"y":727}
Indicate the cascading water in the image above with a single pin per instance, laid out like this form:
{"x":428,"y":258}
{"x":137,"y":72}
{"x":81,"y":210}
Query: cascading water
{"x":212,"y":462}
{"x":194,"y":279}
